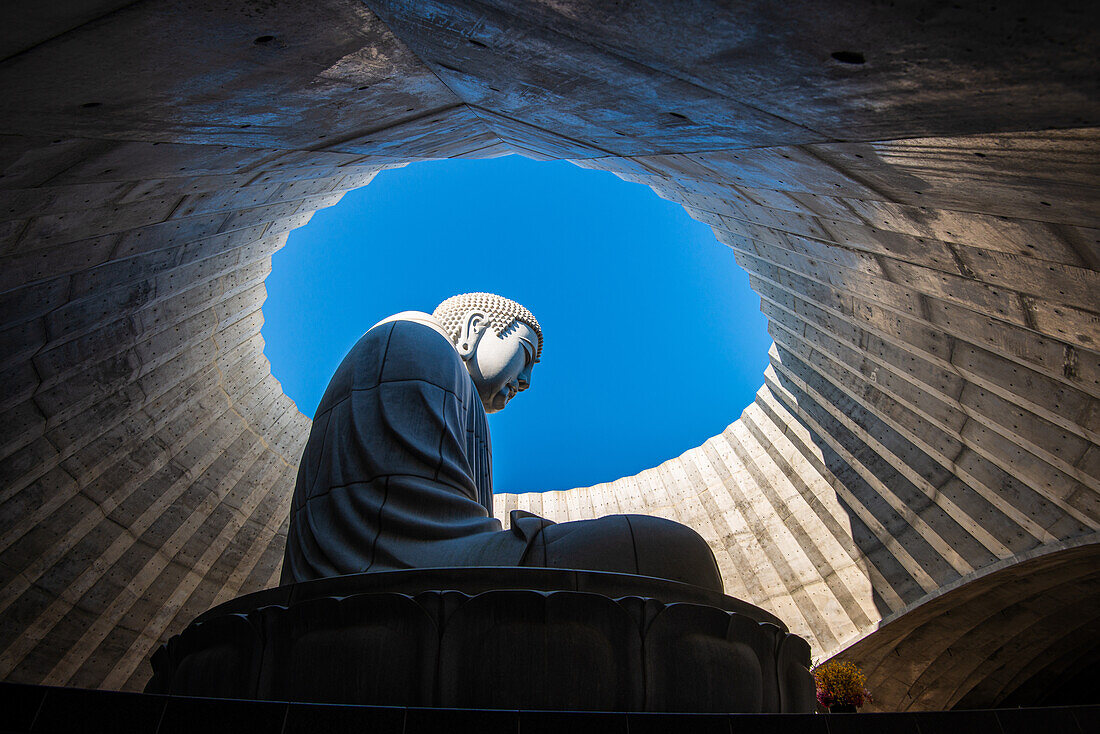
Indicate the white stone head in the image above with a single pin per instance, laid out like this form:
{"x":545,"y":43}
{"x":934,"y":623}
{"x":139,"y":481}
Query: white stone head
{"x":499,"y":340}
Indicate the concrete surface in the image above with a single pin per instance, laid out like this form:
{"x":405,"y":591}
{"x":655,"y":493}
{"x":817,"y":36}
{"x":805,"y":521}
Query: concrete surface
{"x":921,"y":228}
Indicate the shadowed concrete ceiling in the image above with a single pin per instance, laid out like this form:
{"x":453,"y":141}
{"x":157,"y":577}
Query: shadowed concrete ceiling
{"x":912,"y":188}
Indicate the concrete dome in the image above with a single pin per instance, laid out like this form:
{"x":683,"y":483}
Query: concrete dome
{"x":912,"y":189}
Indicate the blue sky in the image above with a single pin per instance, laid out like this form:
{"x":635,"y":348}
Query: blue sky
{"x":653,"y":339}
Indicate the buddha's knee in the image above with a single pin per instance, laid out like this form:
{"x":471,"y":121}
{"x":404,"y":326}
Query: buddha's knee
{"x":669,"y":550}
{"x":637,"y":544}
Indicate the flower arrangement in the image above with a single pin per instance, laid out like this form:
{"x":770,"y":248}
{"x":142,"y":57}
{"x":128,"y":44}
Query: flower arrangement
{"x":840,"y":684}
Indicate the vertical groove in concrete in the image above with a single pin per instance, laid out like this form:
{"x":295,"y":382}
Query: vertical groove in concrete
{"x":148,"y":460}
{"x":944,"y":415}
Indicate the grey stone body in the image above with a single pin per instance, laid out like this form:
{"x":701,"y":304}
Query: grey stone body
{"x":397,"y":470}
{"x":397,"y":473}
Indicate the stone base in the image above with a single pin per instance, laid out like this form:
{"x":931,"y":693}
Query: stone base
{"x":517,"y":638}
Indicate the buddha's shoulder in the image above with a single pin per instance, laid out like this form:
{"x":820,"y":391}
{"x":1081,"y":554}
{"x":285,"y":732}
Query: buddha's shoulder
{"x":414,"y":329}
{"x":415,"y":350}
{"x":397,"y":350}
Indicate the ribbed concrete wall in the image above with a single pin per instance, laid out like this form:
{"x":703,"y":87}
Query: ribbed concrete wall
{"x":929,"y":408}
{"x":930,"y":411}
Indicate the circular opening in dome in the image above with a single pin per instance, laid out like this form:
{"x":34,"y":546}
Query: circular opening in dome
{"x":654,"y":340}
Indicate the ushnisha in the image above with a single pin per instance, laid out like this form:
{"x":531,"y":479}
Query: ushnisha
{"x":397,"y":471}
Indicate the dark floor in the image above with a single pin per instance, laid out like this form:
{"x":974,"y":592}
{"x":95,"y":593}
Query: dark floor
{"x":70,"y":710}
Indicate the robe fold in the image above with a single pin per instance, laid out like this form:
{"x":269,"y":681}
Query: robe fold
{"x":397,"y":471}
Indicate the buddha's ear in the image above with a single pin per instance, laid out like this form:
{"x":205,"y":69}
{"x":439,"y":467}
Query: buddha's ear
{"x":473,"y":326}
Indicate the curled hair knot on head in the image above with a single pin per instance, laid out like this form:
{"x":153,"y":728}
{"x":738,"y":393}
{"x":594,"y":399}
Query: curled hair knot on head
{"x":502,"y":314}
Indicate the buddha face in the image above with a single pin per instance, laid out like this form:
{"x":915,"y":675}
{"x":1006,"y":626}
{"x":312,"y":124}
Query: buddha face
{"x":501,"y":364}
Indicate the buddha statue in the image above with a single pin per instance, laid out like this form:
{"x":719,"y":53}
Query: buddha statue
{"x":397,"y":470}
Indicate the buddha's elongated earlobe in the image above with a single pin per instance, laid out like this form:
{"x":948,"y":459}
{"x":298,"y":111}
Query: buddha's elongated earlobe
{"x":473,"y":326}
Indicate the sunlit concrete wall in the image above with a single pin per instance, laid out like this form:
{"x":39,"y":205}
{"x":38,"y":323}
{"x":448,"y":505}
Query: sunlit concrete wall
{"x":921,"y":228}
{"x":927,"y":412}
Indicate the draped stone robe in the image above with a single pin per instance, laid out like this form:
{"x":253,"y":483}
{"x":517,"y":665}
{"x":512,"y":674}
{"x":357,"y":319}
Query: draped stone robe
{"x":397,"y":471}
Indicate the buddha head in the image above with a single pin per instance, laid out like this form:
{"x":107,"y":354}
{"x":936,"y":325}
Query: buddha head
{"x":499,"y":340}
